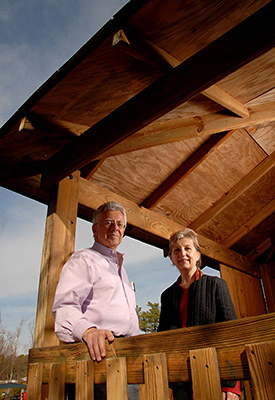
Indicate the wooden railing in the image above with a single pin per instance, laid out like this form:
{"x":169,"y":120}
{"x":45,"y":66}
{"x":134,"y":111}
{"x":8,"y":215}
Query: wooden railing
{"x":243,"y":349}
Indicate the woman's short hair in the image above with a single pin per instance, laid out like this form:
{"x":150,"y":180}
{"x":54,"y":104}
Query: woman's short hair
{"x":185,"y":233}
{"x":109,"y":206}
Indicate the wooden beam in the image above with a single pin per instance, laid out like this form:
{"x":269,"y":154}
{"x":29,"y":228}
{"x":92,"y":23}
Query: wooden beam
{"x":58,"y":246}
{"x":260,"y":170}
{"x":234,"y":49}
{"x":260,"y":249}
{"x":250,"y":224}
{"x":229,"y":338}
{"x":185,"y":169}
{"x":92,"y":196}
{"x":185,"y":128}
{"x":134,"y":44}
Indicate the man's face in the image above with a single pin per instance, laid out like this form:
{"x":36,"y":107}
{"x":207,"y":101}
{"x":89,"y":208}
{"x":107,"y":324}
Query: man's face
{"x":110,"y":228}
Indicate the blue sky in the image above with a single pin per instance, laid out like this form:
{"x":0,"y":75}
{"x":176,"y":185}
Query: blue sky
{"x":36,"y":38}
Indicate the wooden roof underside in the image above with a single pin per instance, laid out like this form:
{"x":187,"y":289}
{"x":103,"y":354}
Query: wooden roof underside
{"x":170,"y":107}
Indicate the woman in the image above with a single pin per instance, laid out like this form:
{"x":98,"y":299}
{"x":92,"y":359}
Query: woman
{"x":194,"y":299}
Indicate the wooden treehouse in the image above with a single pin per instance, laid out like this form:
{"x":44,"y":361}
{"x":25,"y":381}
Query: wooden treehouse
{"x":170,"y":110}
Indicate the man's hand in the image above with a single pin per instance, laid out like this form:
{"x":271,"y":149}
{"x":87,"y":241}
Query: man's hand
{"x":95,"y":340}
{"x":230,"y":396}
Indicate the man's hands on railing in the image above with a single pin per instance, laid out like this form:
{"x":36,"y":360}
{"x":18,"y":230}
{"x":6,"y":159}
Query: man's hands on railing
{"x":95,"y":340}
{"x":230,"y":396}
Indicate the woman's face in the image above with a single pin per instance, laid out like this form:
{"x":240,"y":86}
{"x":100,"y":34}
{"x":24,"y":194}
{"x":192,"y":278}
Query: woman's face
{"x":184,"y":255}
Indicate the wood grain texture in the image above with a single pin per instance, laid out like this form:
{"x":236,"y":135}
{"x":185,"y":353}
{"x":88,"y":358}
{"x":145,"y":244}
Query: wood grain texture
{"x":84,"y":380}
{"x":206,"y":382}
{"x":246,"y":292}
{"x":261,"y":360}
{"x":58,"y":246}
{"x":229,"y":339}
{"x":156,"y":376}
{"x":35,"y":374}
{"x":116,"y":376}
{"x":57,"y":381}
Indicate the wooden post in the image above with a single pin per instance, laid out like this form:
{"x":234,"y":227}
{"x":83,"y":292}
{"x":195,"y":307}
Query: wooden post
{"x":116,"y":376}
{"x":156,"y":377}
{"x":58,"y":246}
{"x":261,"y":361}
{"x":206,"y":380}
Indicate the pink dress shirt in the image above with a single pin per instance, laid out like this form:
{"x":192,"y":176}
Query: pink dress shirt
{"x":94,"y":291}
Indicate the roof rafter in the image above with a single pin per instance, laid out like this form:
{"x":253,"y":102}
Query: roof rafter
{"x":134,"y":44}
{"x":260,"y":170}
{"x":249,"y":225}
{"x":184,"y":169}
{"x":185,"y":128}
{"x":234,"y":49}
{"x":260,"y":249}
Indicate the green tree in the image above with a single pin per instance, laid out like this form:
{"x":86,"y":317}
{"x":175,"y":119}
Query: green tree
{"x":149,"y":320}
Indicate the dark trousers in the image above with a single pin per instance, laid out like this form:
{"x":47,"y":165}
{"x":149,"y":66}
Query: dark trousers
{"x":182,"y":391}
{"x":100,"y":392}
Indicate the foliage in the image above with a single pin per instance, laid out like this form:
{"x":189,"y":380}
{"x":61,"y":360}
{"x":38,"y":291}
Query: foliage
{"x":149,"y":320}
{"x":11,"y":365}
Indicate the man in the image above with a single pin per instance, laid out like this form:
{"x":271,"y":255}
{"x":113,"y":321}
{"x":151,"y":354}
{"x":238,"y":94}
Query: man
{"x":94,"y":300}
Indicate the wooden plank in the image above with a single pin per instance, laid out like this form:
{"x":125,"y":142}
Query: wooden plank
{"x":246,"y":292}
{"x":142,"y":392}
{"x":57,"y":381}
{"x":156,"y":376}
{"x":229,"y":339}
{"x":35,"y":373}
{"x":92,"y":196}
{"x":250,"y":224}
{"x":196,"y":74}
{"x":257,"y":172}
{"x":184,"y":169}
{"x":116,"y":376}
{"x":84,"y":380}
{"x":261,"y":360}
{"x":58,"y":246}
{"x":184,"y":128}
{"x":206,"y":381}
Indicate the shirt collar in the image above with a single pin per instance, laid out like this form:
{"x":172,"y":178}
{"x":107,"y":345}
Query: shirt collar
{"x":107,"y":252}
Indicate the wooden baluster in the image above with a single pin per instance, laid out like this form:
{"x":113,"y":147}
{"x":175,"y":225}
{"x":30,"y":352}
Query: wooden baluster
{"x":261,"y":361}
{"x":57,"y":381}
{"x":156,"y":377}
{"x":84,"y":380}
{"x":205,"y":374}
{"x":34,"y":381}
{"x":116,"y":377}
